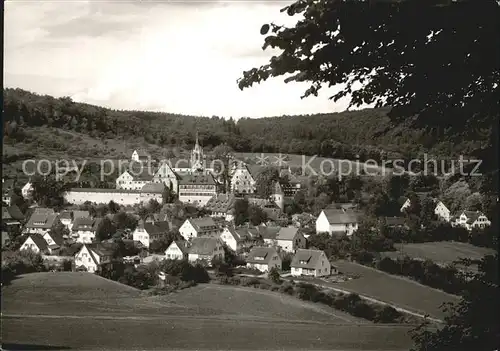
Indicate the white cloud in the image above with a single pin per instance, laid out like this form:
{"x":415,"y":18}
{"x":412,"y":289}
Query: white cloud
{"x":167,"y":57}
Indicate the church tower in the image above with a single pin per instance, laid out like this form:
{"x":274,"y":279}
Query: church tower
{"x":278,"y":196}
{"x":197,"y":157}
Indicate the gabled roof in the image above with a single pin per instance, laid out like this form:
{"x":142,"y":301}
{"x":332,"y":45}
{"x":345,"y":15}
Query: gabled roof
{"x":58,"y":239}
{"x":181,"y":245}
{"x":197,"y":179}
{"x":158,"y":188}
{"x":153,"y":228}
{"x":287,"y":233}
{"x":472,"y":216}
{"x":85,"y":223}
{"x":221,"y":203}
{"x":203,"y":224}
{"x":341,"y":216}
{"x":41,"y":220}
{"x":265,"y":253}
{"x":39,"y":241}
{"x":268,"y":232}
{"x":12,"y":212}
{"x":239,"y":236}
{"x":306,"y":258}
{"x":255,"y":170}
{"x":42,"y":210}
{"x":142,"y":153}
{"x":203,"y":246}
{"x":78,"y":214}
{"x":140,"y":172}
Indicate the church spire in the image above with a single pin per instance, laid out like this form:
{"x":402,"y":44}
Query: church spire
{"x":196,"y":139}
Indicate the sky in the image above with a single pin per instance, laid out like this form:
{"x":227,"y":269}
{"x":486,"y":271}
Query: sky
{"x":179,"y":57}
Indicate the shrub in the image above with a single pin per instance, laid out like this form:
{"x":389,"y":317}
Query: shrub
{"x":274,"y":275}
{"x":286,"y":288}
{"x":250,"y":281}
{"x":387,"y":314}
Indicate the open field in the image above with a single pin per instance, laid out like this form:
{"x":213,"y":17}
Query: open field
{"x":347,"y":166}
{"x":83,"y":311}
{"x":444,"y":252}
{"x":399,"y":291}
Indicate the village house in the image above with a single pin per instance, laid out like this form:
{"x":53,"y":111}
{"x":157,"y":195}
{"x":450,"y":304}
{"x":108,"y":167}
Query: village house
{"x":234,"y":239}
{"x":166,"y":175}
{"x":196,"y":188}
{"x":91,"y":257}
{"x":35,"y":243}
{"x":272,"y":210}
{"x":205,"y":249}
{"x":27,"y":189}
{"x":12,"y":216}
{"x":221,"y":205}
{"x":268,"y":234}
{"x":242,"y":181}
{"x":471,"y":219}
{"x":263,"y":259}
{"x":41,"y":222}
{"x":310,"y":263}
{"x":149,"y":231}
{"x":67,"y":217}
{"x":441,"y":211}
{"x":337,"y":221}
{"x":195,"y":227}
{"x":84,"y":229}
{"x":54,"y":241}
{"x":140,"y":156}
{"x":177,"y":250}
{"x":290,"y":239}
{"x":7,"y":190}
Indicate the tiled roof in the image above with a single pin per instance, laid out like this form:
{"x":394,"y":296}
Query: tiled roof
{"x":58,"y":239}
{"x":85,"y":223}
{"x":238,"y":235}
{"x":197,"y":179}
{"x":472,"y":216}
{"x":181,"y":245}
{"x":287,"y":233}
{"x":306,"y":258}
{"x":203,"y":246}
{"x":268,"y":232}
{"x":65,"y":215}
{"x":139,"y":172}
{"x":99,"y":190}
{"x":158,"y":188}
{"x":39,"y":241}
{"x":41,"y":220}
{"x":41,"y":210}
{"x":265,"y":253}
{"x":203,"y":223}
{"x":221,"y":203}
{"x":156,"y":227}
{"x":335,"y":216}
{"x":12,"y":212}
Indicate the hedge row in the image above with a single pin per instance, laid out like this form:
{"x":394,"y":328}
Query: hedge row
{"x":350,"y":303}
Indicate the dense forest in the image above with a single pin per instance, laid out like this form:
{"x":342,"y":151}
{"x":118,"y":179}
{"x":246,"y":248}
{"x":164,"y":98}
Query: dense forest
{"x":360,"y":134}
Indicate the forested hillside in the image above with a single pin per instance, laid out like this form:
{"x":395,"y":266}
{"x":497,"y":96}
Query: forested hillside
{"x":359,"y":134}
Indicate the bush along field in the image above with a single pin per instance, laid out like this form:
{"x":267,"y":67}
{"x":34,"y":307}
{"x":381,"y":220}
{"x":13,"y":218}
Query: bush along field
{"x":349,"y":303}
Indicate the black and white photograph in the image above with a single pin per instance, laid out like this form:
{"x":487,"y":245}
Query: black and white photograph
{"x":250,"y":175}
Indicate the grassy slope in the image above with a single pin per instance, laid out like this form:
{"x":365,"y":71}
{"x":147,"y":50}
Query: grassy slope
{"x":397,"y":290}
{"x":85,"y":311}
{"x":444,"y":252}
